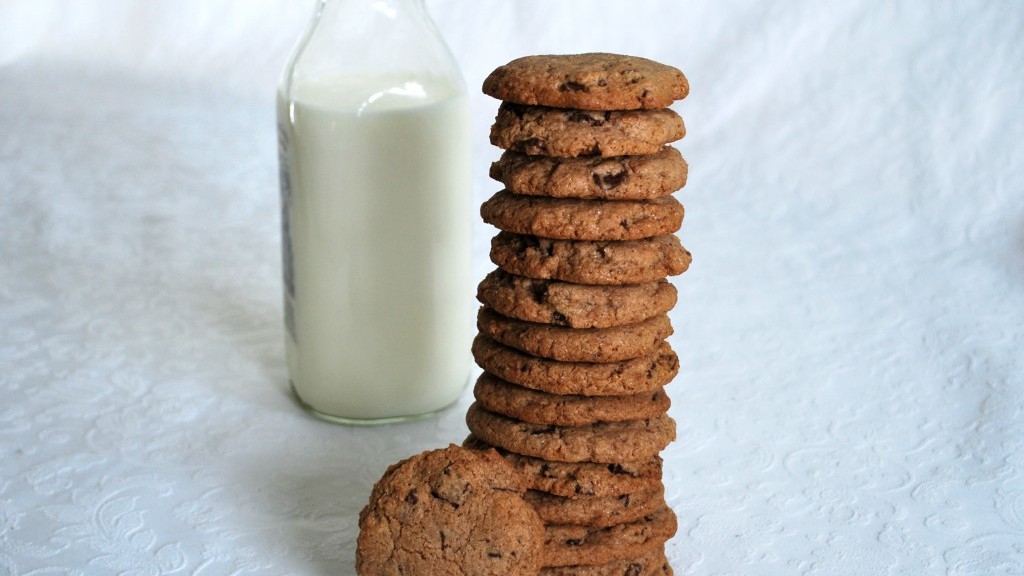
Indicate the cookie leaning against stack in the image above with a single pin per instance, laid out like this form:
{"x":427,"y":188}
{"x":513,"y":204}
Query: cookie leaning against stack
{"x":446,"y":512}
{"x":574,"y":320}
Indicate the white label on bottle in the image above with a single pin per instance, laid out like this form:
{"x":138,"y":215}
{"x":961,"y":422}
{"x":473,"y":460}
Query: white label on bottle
{"x":287,"y":267}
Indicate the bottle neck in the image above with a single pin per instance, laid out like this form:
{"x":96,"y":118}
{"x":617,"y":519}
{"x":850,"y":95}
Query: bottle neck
{"x":378,"y":38}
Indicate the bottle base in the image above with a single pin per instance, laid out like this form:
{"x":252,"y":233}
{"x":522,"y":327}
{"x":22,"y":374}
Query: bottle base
{"x":363,"y":421}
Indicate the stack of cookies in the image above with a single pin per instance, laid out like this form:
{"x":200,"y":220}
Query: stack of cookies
{"x":574,"y":320}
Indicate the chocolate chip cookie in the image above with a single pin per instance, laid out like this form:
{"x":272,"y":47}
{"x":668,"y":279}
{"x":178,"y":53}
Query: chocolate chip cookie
{"x":589,"y":262}
{"x":568,"y":545}
{"x":593,"y":81}
{"x":593,"y":177}
{"x":575,"y":479}
{"x":575,"y":219}
{"x":568,"y":133}
{"x":604,"y":442}
{"x":450,"y":511}
{"x":613,"y":344}
{"x":596,"y":511}
{"x":653,"y":563}
{"x":501,"y":397}
{"x":644,"y":374}
{"x":574,"y":305}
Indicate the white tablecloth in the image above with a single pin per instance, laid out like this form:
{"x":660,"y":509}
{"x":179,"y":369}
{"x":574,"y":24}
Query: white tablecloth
{"x":851,"y":398}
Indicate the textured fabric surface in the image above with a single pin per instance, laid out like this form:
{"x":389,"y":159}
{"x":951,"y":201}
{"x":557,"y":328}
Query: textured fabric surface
{"x":851,"y":393}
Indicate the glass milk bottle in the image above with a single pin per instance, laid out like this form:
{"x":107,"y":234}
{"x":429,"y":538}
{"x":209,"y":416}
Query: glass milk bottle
{"x":373,"y":121}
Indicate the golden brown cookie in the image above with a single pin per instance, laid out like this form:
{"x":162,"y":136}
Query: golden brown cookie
{"x":605,"y":442}
{"x":450,"y":511}
{"x":574,"y":305}
{"x":568,"y":545}
{"x":593,"y":177}
{"x":568,"y":133}
{"x":575,"y":219}
{"x":596,"y":511}
{"x":592,"y":81}
{"x":575,"y":479}
{"x":589,"y":262}
{"x":653,"y":563}
{"x":645,"y":374}
{"x":613,"y":344}
{"x":501,"y":397}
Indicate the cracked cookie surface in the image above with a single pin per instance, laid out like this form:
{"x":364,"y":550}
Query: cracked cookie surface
{"x":450,"y":511}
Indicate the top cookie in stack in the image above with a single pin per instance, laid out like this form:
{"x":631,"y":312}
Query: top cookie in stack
{"x":594,"y":81}
{"x":575,"y":319}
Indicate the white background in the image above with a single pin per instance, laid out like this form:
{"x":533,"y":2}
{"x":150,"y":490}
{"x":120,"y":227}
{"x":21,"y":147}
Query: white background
{"x":851,"y":332}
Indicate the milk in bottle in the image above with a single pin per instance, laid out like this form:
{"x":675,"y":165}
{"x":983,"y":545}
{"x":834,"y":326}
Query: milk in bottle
{"x":376,"y":218}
